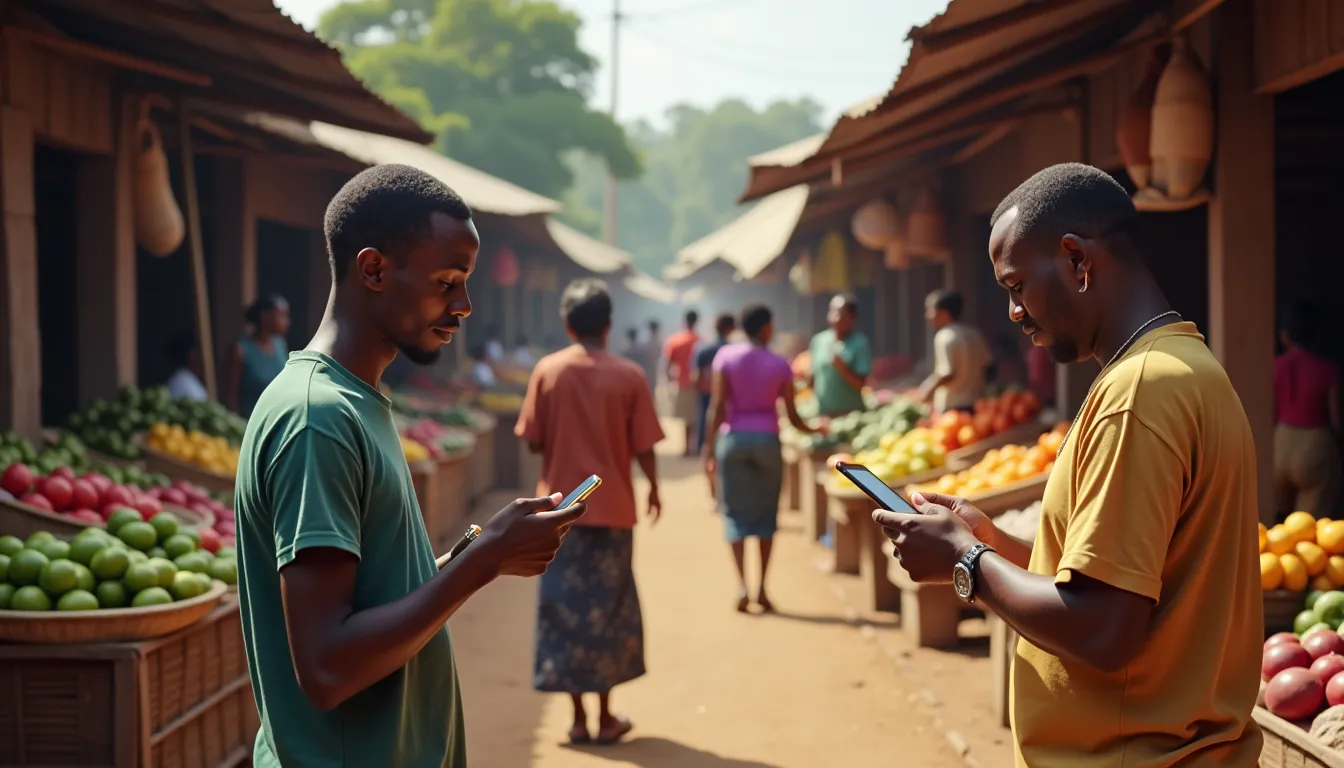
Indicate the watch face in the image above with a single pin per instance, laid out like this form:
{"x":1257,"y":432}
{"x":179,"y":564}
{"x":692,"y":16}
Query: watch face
{"x":961,"y":581}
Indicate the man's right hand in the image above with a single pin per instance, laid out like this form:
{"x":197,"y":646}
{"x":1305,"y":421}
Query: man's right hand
{"x":523,"y":537}
{"x":983,"y":528}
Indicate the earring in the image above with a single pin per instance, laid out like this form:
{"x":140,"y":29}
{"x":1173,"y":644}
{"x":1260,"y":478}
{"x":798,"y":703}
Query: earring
{"x":1084,"y":288}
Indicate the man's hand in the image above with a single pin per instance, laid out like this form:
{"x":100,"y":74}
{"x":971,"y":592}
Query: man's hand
{"x":523,"y":537}
{"x":980,"y":524}
{"x":929,"y":544}
{"x":655,"y":505}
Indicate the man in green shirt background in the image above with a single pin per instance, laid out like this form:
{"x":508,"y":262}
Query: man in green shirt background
{"x":841,"y":360}
{"x":344,"y":607}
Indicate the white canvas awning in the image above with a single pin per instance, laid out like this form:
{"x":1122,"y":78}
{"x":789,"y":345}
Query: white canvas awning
{"x":752,"y":241}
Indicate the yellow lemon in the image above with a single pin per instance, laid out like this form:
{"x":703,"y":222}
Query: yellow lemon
{"x":1331,"y":537}
{"x":1294,"y":572}
{"x":1271,"y":572}
{"x":1322,"y":583}
{"x":1278,"y":541}
{"x":1264,"y":537}
{"x":1312,"y":556}
{"x":1301,"y":526}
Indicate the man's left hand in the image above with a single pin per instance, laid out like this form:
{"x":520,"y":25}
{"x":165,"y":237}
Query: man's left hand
{"x":929,"y":544}
{"x":655,"y":506}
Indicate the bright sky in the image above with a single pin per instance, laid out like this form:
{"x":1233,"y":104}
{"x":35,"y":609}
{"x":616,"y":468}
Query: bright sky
{"x":839,"y":52}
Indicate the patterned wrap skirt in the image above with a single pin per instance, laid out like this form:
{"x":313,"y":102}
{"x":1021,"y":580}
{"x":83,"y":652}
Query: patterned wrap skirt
{"x":590,"y":631}
{"x":751,"y":475}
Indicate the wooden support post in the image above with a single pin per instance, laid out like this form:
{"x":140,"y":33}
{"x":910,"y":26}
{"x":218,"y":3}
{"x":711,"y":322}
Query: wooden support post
{"x":20,"y":340}
{"x":1241,"y":235}
{"x":205,"y":340}
{"x":234,"y":235}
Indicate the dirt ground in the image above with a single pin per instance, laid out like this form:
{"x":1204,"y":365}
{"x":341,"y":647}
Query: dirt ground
{"x":814,"y":685}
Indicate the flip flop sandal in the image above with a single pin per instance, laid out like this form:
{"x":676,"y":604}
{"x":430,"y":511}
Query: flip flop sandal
{"x":765,"y":605}
{"x":743,"y":602}
{"x":579,"y":736}
{"x":612,"y":738}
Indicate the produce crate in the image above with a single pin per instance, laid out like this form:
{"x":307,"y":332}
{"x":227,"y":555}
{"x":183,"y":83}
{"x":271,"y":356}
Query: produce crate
{"x":180,"y":700}
{"x":181,"y":470}
{"x":19,"y":519}
{"x":1281,"y":607}
{"x":1288,"y":746}
{"x":481,"y":476}
{"x":425,"y":479}
{"x":812,"y":476}
{"x":1015,"y":496}
{"x":1024,"y":433}
{"x":451,"y":469}
{"x":50,"y":436}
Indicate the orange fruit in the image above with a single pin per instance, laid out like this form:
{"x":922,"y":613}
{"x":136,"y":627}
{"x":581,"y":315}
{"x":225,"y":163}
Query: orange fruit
{"x":1278,"y":541}
{"x":1322,"y":583}
{"x":1312,"y":556}
{"x":1295,"y":575}
{"x":1300,"y":526}
{"x":1264,"y":537}
{"x":1331,"y":536}
{"x":1334,"y":570}
{"x":1271,"y":572}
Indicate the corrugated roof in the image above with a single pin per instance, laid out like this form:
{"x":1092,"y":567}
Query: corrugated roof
{"x":257,"y":57}
{"x":752,"y":241}
{"x":648,"y":287}
{"x":588,"y":252}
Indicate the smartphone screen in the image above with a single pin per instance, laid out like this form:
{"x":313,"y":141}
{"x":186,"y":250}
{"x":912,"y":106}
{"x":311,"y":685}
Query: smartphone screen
{"x":876,"y":490}
{"x":581,"y":493}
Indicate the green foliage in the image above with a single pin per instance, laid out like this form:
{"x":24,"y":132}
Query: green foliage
{"x":693,"y":172}
{"x":503,"y":83}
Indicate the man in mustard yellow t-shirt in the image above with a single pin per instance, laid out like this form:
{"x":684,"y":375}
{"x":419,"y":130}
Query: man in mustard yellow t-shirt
{"x":1138,"y":605}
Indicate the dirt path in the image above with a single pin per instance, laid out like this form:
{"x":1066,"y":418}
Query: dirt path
{"x":801,"y":689}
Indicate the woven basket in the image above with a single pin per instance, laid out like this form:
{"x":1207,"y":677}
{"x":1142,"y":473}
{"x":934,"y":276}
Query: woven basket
{"x":114,"y":624}
{"x":19,"y":519}
{"x":1288,"y":746}
{"x":181,"y":470}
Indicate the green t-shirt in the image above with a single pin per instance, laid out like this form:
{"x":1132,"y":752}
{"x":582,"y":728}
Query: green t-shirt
{"x":834,"y":395}
{"x":322,"y":466}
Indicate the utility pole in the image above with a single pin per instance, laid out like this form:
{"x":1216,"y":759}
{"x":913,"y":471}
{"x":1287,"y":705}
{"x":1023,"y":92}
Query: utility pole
{"x":609,"y":207}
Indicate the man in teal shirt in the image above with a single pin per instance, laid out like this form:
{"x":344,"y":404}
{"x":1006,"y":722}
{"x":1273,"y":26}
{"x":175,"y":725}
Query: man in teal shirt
{"x":841,"y":360}
{"x":344,"y":607}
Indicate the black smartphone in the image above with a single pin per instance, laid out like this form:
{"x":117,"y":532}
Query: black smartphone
{"x":582,"y":492}
{"x":874,"y":488}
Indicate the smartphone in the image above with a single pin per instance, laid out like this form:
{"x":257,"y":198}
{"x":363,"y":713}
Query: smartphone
{"x":875,"y":489}
{"x":582,"y":492}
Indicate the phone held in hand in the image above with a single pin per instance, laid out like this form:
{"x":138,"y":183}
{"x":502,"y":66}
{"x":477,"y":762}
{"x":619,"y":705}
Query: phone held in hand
{"x":580,"y":493}
{"x":874,"y":488}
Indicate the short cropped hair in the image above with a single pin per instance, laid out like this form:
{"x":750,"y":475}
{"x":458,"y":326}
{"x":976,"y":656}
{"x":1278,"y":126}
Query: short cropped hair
{"x":1301,"y":322}
{"x":847,"y":301}
{"x":950,"y":301}
{"x":385,"y":207}
{"x":692,"y":317}
{"x":586,"y":307}
{"x":754,"y":319}
{"x":725,"y":323}
{"x":1072,"y":198}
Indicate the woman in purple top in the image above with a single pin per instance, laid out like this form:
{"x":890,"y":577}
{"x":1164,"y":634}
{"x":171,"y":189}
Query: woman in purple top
{"x":742,"y":442}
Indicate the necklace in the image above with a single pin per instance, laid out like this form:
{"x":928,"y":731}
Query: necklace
{"x":1109,"y":363}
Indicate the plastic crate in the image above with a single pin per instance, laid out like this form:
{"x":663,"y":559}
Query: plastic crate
{"x":180,"y":701}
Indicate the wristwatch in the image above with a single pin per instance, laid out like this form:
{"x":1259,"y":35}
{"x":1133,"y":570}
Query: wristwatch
{"x":963,"y":573}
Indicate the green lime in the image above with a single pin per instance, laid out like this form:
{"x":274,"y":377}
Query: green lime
{"x":166,"y":569}
{"x":135,"y":555}
{"x":59,"y":577}
{"x":84,"y":578}
{"x":226,"y":552}
{"x":165,"y":524}
{"x":1319,"y":625}
{"x":77,"y":600}
{"x":207,"y":583}
{"x":110,"y":563}
{"x":154,"y":552}
{"x":194,"y":535}
{"x":152,"y":596}
{"x":26,"y":567}
{"x":178,"y":545}
{"x":141,"y":576}
{"x":138,"y":535}
{"x":121,"y":516}
{"x":30,"y":599}
{"x":6,"y":595}
{"x":186,"y":586}
{"x":4,"y":568}
{"x":111,"y":594}
{"x":225,"y":569}
{"x":194,"y":562}
{"x":37,"y":536}
{"x":10,"y":545}
{"x":83,"y":548}
{"x":55,"y":549}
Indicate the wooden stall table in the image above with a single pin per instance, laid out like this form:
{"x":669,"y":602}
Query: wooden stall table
{"x":481,"y":466}
{"x":812,"y":476}
{"x":184,"y":699}
{"x":793,"y":488}
{"x":425,"y":478}
{"x":858,"y":546}
{"x":1002,"y":650}
{"x":450,"y":471}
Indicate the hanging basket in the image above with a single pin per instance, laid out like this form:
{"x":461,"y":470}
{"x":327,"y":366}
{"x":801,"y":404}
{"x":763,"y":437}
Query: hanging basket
{"x":1182,"y":127}
{"x":832,"y":268}
{"x":926,"y":234}
{"x":1133,"y":129}
{"x":876,"y":224}
{"x":159,"y":228}
{"x":505,"y":270}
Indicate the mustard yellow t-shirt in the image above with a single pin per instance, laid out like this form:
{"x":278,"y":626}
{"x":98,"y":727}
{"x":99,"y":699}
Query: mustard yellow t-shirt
{"x":1154,"y":493}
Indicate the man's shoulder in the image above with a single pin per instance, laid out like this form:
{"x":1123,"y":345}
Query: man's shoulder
{"x":1170,"y":375}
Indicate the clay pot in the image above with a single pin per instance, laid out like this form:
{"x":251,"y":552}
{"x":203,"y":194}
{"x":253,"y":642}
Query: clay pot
{"x":926,"y":232}
{"x":1182,"y":128}
{"x":159,"y":227}
{"x":876,"y":224}
{"x":1133,"y":129}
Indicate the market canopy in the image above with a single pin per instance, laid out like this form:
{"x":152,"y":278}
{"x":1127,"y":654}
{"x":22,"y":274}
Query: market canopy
{"x":648,"y":287}
{"x":971,"y":60}
{"x":752,"y":241}
{"x":243,"y":53}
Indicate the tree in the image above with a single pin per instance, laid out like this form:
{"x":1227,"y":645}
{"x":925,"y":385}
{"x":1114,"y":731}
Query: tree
{"x":693,"y":172}
{"x":503,"y":83}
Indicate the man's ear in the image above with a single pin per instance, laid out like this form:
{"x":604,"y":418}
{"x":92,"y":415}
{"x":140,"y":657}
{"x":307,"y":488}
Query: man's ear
{"x":1079,"y":253}
{"x":371,"y":267}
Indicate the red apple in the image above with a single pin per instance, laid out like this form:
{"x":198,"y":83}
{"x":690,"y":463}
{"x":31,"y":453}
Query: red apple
{"x":1334,"y":690}
{"x":84,"y":494}
{"x":34,"y":499}
{"x":117,"y":494}
{"x":1294,"y":694}
{"x":99,"y":481}
{"x":1323,"y":641}
{"x":108,"y":509}
{"x":87,"y":515}
{"x":209,"y":540}
{"x":1282,"y":637}
{"x":154,"y":493}
{"x":1328,"y":666}
{"x":173,"y":496}
{"x":148,"y":506}
{"x":58,"y":490}
{"x":17,"y":479}
{"x":65,"y":472}
{"x":1283,"y":656}
{"x":225,"y":530}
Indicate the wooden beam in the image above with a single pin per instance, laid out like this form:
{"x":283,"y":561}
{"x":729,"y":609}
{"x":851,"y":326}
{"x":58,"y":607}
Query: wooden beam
{"x":107,"y":56}
{"x":311,"y":46}
{"x":1313,"y":71}
{"x":1185,"y":13}
{"x":204,"y":338}
{"x":338,"y":164}
{"x":989,"y":139}
{"x":930,"y":41}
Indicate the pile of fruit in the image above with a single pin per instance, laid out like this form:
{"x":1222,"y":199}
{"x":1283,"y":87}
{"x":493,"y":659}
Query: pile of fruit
{"x":213,"y":454}
{"x":413,"y":450}
{"x":438,"y":439}
{"x":1002,"y":467}
{"x":500,"y":402}
{"x":864,"y":430}
{"x":958,"y":429}
{"x":1302,"y":552}
{"x":899,"y":456}
{"x":448,"y":414}
{"x":1300,"y":675}
{"x":110,"y":426}
{"x":134,"y":563}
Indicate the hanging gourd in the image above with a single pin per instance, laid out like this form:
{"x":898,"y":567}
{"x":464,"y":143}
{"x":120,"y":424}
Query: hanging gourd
{"x":159,"y":228}
{"x":875,"y":224}
{"x":800,"y":274}
{"x":832,"y":271}
{"x":504,"y":269}
{"x":1133,"y":129}
{"x":1182,"y":129}
{"x":926,"y":233}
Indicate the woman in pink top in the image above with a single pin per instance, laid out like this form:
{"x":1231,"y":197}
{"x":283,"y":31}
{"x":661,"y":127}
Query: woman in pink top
{"x":742,"y":441}
{"x":1306,"y":409}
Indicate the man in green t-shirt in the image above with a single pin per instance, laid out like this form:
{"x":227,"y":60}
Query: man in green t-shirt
{"x":841,"y":360}
{"x":344,"y":607}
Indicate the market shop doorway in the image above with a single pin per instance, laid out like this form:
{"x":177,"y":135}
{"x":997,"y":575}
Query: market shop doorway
{"x":55,"y":176}
{"x":284,"y":266}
